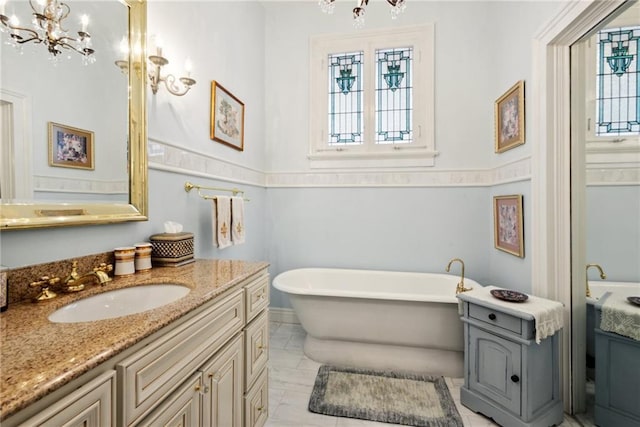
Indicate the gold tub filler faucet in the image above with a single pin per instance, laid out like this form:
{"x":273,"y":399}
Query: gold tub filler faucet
{"x":602,"y":276}
{"x":460,"y":286}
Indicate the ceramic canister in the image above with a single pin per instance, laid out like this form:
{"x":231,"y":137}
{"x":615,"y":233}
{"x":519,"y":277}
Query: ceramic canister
{"x":143,"y":256}
{"x":124,"y":260}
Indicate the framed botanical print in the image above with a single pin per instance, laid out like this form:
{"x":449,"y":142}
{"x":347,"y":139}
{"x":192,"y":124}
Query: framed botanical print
{"x":70,"y":147}
{"x":508,"y":224}
{"x":227,"y":117}
{"x":509,"y":118}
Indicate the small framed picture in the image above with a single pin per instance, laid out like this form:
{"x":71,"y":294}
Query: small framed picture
{"x":70,"y":147}
{"x":509,"y":118}
{"x":227,"y":117}
{"x":508,"y":224}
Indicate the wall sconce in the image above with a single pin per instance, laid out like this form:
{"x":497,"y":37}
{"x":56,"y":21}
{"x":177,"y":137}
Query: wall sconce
{"x":48,"y":29}
{"x":156,"y":62}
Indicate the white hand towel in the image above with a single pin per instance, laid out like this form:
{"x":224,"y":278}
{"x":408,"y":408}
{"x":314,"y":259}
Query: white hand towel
{"x":237,"y":220}
{"x":222,"y":222}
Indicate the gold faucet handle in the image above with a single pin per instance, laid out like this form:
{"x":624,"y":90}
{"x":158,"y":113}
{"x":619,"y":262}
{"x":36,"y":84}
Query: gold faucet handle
{"x":104,"y":267}
{"x":74,"y":272}
{"x":45,"y":293}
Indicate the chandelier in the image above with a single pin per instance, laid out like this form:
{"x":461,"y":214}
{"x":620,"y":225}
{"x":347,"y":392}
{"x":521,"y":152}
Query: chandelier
{"x":48,"y":30}
{"x":397,"y":6}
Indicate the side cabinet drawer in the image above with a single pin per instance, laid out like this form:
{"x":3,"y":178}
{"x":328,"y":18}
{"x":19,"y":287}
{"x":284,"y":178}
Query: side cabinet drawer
{"x":495,"y":318}
{"x":257,"y":296}
{"x":256,"y":347}
{"x":256,"y":402}
{"x":90,"y":405}
{"x":148,"y":376}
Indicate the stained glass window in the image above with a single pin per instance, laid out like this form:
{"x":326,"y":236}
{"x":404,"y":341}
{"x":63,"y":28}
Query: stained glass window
{"x":393,"y":96}
{"x":346,"y":98}
{"x":618,"y":82}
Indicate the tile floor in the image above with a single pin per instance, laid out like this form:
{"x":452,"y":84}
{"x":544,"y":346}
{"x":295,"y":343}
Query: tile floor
{"x":291,"y":378}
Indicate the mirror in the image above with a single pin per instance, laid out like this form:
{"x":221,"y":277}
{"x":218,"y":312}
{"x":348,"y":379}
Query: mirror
{"x":44,"y":106}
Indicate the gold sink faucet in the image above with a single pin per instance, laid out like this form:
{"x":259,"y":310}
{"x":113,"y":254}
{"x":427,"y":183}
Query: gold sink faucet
{"x":460,"y":287}
{"x":75,"y":282}
{"x":602,"y":276}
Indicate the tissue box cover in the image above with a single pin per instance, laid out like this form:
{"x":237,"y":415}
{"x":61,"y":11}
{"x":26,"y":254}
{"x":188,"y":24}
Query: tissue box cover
{"x":172,"y":249}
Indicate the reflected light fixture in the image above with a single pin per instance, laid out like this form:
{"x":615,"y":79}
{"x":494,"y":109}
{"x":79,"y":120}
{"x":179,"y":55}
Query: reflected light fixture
{"x":397,"y":6}
{"x":155,"y":64}
{"x":48,"y":29}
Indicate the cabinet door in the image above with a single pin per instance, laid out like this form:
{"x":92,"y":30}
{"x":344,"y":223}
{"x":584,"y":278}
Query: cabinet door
{"x":181,"y":408}
{"x":495,"y":368}
{"x":256,"y":402}
{"x":222,"y":406}
{"x":89,"y":406}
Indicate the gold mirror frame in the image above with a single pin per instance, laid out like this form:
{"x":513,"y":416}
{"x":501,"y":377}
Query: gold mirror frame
{"x":39,"y":215}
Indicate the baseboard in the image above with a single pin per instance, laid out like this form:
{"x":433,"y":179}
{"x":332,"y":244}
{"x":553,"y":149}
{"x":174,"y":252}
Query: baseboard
{"x":282,"y":315}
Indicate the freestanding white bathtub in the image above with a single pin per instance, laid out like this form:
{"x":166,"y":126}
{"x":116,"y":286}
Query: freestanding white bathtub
{"x":379,"y":319}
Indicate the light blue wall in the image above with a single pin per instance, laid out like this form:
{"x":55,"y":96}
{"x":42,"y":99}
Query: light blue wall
{"x":397,"y":229}
{"x":613,"y":231}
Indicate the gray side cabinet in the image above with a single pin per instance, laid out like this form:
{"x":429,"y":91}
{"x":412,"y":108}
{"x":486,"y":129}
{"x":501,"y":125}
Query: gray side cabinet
{"x":617,"y":377}
{"x":508,"y":377}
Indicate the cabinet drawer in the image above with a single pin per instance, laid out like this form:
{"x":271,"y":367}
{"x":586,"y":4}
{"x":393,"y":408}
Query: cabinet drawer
{"x":181,"y":408}
{"x":256,"y":347}
{"x":151,"y":374}
{"x":257,"y":296}
{"x":495,"y":318}
{"x":90,"y":405}
{"x":256,"y":402}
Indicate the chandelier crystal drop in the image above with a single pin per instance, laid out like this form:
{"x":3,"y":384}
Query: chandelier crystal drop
{"x":48,"y":22}
{"x":396,"y":7}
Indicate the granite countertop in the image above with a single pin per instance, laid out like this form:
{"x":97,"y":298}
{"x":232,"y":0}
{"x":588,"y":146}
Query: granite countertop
{"x":38,"y":356}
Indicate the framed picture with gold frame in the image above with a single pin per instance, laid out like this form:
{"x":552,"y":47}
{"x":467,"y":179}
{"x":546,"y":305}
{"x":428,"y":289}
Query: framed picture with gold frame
{"x":508,"y":227}
{"x":509,"y":118}
{"x":70,"y":147}
{"x":227,"y":117}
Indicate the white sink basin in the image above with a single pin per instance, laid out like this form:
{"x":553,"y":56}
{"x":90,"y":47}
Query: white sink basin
{"x":119,"y":302}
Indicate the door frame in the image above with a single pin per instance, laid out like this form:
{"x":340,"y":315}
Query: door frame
{"x":555,"y":275}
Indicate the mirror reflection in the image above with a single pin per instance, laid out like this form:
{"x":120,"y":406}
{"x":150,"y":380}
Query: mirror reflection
{"x":65,"y":125}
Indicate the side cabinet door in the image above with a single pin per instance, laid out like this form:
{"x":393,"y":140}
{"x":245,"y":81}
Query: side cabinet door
{"x":222,"y":406}
{"x":181,"y":409}
{"x":495,"y":368}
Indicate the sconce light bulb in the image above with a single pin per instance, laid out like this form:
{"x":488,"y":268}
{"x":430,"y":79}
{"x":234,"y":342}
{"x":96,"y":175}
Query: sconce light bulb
{"x":188,"y":66}
{"x":14,"y":20}
{"x":124,"y":46}
{"x":2,"y":3}
{"x":84,"y":19}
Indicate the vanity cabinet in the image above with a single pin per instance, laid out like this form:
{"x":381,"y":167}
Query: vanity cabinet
{"x":90,"y":405}
{"x":206,"y":368}
{"x":508,"y":377}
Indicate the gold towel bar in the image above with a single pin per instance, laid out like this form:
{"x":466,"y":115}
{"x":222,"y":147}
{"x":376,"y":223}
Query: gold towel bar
{"x":188,"y":186}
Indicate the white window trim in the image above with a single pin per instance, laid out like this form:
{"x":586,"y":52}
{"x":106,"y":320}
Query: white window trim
{"x":421,"y":152}
{"x":606,"y":149}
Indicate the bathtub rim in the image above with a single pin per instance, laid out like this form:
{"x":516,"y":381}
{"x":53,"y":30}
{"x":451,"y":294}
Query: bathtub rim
{"x":358,"y":294}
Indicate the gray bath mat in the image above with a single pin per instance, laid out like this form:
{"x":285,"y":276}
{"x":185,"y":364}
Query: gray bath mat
{"x":389,"y":397}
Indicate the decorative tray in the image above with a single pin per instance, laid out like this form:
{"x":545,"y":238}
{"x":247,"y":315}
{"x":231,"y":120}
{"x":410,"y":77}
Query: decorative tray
{"x":509,"y":295}
{"x":634,"y":300}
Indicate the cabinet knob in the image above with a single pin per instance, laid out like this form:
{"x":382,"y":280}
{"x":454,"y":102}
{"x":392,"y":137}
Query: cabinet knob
{"x":492,"y":316}
{"x":515,"y":378}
